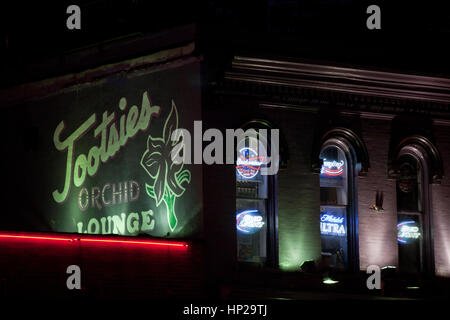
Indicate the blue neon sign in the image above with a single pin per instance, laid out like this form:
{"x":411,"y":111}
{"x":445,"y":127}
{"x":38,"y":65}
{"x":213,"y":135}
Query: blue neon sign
{"x":407,"y":230}
{"x":249,"y":221}
{"x":332,"y":225}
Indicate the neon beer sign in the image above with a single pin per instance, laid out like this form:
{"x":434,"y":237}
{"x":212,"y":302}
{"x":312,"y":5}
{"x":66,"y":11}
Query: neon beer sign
{"x":248,"y":163}
{"x":249,"y":221}
{"x":332,"y":225}
{"x":407,"y":230}
{"x":332,"y":168}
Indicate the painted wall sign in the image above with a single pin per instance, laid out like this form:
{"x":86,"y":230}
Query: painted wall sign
{"x":332,"y":225}
{"x":249,"y":221}
{"x":407,"y":230}
{"x":96,"y":159}
{"x":248,"y":163}
{"x":332,"y":168}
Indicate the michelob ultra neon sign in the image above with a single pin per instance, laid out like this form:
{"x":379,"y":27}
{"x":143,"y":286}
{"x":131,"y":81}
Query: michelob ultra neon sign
{"x":332,"y":225}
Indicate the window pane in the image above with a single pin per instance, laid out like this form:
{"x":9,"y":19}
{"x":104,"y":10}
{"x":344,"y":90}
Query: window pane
{"x":408,"y":185}
{"x":251,"y":230}
{"x":333,"y":229}
{"x":333,"y":176}
{"x":250,"y":160}
{"x":251,"y":201}
{"x":333,"y":210}
{"x":409,"y":243}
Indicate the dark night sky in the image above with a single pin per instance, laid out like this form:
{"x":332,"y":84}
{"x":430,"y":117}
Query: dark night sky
{"x":414,"y":36}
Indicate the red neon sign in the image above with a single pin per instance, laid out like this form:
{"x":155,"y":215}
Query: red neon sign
{"x":93,"y":240}
{"x":332,"y":168}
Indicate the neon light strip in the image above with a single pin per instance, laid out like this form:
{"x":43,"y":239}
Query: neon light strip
{"x":247,"y":166}
{"x":402,"y":240}
{"x":34,"y":237}
{"x":239,"y":217}
{"x":405,"y":222}
{"x":333,"y":172}
{"x":152,"y":243}
{"x":252,"y":158}
{"x":143,"y":242}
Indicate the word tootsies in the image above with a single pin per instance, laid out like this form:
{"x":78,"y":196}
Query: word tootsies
{"x":112,"y":136}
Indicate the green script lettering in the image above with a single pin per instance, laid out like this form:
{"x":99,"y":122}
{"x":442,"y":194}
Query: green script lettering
{"x":69,"y":145}
{"x":111,"y":142}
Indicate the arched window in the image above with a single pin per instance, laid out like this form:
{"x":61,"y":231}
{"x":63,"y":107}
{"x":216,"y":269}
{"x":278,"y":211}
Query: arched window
{"x":415,"y":163}
{"x":256,"y":209}
{"x":410,"y":215}
{"x":333,"y":205}
{"x":342,"y":157}
{"x":413,"y":214}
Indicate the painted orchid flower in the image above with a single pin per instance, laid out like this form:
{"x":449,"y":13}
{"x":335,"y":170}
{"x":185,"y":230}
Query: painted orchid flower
{"x":167,"y":175}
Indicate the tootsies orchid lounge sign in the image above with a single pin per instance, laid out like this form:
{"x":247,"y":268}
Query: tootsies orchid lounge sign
{"x":100,"y":159}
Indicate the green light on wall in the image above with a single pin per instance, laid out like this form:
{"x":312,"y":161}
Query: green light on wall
{"x":328,"y":280}
{"x":290,"y":260}
{"x":297,"y":245}
{"x":298,"y":219}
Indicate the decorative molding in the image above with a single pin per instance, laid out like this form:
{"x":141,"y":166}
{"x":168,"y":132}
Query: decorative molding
{"x":288,"y":107}
{"x":283,"y":146}
{"x":369,"y":115}
{"x":349,"y":139}
{"x":296,"y":84}
{"x":428,"y":151}
{"x":339,"y":79}
{"x":441,"y":122}
{"x":388,"y":117}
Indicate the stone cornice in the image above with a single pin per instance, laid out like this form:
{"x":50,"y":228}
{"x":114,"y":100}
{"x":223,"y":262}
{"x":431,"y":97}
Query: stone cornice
{"x":347,"y":87}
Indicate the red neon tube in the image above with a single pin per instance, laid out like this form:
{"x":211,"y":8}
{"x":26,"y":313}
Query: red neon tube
{"x":90,"y":239}
{"x":34,"y":237}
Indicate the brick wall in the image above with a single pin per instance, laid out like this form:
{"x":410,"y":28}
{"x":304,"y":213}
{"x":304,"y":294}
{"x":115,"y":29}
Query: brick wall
{"x":440,"y":197}
{"x":299,"y":197}
{"x":298,"y":192}
{"x":377,"y":229}
{"x":219,"y":205}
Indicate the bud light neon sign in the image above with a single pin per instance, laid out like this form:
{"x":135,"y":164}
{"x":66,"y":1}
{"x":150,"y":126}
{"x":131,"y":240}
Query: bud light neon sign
{"x":332,"y":225}
{"x":249,"y":221}
{"x":248,"y":163}
{"x":407,"y":230}
{"x":332,"y":168}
